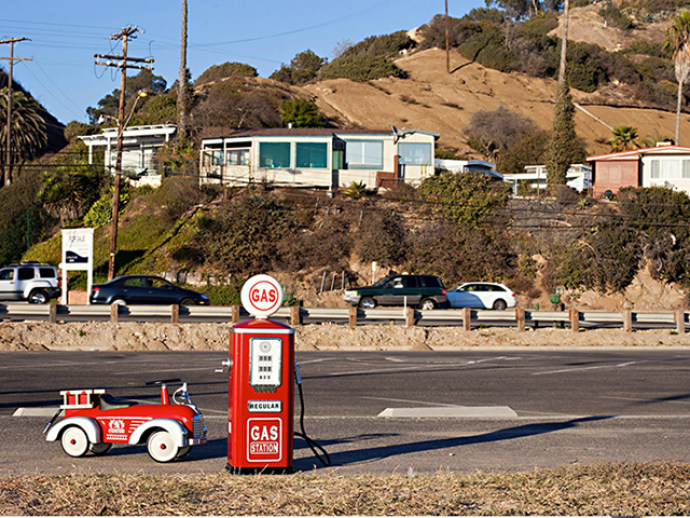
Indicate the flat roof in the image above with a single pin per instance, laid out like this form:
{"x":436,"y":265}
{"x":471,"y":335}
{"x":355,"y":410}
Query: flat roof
{"x":213,"y":133}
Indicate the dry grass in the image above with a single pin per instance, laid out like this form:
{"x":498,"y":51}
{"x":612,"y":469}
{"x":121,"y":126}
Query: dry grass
{"x":602,"y":489}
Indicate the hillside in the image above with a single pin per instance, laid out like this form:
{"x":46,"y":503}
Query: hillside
{"x":432,"y":100}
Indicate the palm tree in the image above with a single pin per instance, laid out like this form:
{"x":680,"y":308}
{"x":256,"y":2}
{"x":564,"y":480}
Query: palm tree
{"x":28,"y":132}
{"x":678,"y":41}
{"x":624,"y":138}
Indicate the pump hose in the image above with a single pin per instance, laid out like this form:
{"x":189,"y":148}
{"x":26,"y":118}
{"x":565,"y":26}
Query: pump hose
{"x":325,"y":459}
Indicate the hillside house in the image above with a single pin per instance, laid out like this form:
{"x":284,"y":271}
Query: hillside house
{"x":468,"y":166}
{"x":664,"y":165}
{"x":578,"y":176}
{"x":138,"y":147}
{"x":317,"y":157}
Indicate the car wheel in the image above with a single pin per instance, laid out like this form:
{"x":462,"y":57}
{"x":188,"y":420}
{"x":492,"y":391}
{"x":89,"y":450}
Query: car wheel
{"x":187,"y":302}
{"x":500,"y":305}
{"x":367,"y":303}
{"x":161,"y":446}
{"x":38,"y":297}
{"x":101,"y":448}
{"x":74,"y":441}
{"x":427,"y":304}
{"x":119,"y":301}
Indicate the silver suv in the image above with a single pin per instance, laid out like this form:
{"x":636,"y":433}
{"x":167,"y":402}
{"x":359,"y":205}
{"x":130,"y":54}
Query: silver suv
{"x":34,"y":282}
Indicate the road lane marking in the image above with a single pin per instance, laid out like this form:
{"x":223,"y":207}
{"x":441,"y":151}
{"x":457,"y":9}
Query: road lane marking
{"x":579,"y":369}
{"x":35,"y":412}
{"x":408,"y":401}
{"x":502,"y":412}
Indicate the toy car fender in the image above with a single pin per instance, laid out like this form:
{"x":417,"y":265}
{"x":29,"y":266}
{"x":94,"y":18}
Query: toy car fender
{"x":173,"y":427}
{"x":90,"y":427}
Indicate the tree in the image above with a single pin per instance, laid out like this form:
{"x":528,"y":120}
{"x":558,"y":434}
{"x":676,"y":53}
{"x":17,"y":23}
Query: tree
{"x":183,"y":81}
{"x":678,"y":41}
{"x":301,"y":114}
{"x":108,"y":105}
{"x":491,"y":132}
{"x":624,"y":138}
{"x":303,"y":68}
{"x":565,"y":147}
{"x":28,"y":133}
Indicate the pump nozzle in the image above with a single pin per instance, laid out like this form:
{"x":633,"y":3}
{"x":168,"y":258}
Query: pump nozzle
{"x":225,"y":363}
{"x":298,"y":376}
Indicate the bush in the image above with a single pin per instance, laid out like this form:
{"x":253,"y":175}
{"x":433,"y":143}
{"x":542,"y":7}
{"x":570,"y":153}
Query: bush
{"x":381,"y":238}
{"x":388,"y":45}
{"x":224,"y":71}
{"x":491,"y":132}
{"x":302,"y":114}
{"x":361,"y":68}
{"x":241,"y":236}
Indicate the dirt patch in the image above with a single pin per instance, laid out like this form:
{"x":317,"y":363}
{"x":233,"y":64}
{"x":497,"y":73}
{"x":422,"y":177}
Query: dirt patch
{"x":98,"y":336}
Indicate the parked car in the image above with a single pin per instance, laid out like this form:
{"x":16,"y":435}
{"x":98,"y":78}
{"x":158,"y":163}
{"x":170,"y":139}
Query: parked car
{"x":34,"y":282}
{"x":482,"y":295}
{"x":424,"y":291}
{"x":144,"y":289}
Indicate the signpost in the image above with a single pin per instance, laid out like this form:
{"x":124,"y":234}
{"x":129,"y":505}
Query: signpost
{"x":77,"y":255}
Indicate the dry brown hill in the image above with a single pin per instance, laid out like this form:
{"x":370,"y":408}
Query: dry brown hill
{"x":432,"y":100}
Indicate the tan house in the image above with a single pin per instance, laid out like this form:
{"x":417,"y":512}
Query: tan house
{"x":664,"y":165}
{"x":317,"y":157}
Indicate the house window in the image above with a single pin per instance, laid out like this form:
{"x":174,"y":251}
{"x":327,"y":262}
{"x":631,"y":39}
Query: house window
{"x":656,"y":169}
{"x":238,"y":157}
{"x":686,"y":168}
{"x":311,"y":155}
{"x":364,"y":154}
{"x":274,"y":154}
{"x":414,"y":153}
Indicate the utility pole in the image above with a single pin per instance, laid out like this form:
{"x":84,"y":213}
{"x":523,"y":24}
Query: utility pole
{"x":8,"y":150}
{"x":182,"y":104}
{"x":123,"y":63}
{"x":447,"y":42}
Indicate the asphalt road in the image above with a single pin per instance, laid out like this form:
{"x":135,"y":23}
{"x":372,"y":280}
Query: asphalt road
{"x":488,"y":409}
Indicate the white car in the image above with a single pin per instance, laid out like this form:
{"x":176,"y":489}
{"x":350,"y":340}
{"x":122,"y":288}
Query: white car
{"x":482,"y":295}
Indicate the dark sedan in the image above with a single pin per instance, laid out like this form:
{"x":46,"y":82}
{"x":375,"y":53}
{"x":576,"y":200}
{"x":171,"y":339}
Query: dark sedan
{"x":144,"y":289}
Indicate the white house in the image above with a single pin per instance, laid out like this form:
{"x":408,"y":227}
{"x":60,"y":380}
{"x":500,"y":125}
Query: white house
{"x":579,"y":177}
{"x":317,"y":157}
{"x":468,"y":166}
{"x":138,"y":147}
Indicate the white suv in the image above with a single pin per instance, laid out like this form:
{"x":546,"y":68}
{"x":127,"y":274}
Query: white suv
{"x":34,"y":282}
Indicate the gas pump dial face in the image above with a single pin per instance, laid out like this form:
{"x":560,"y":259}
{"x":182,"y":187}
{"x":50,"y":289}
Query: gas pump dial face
{"x":265,"y":355}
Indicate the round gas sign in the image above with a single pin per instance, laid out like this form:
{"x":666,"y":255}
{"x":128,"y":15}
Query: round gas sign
{"x":262,"y":296}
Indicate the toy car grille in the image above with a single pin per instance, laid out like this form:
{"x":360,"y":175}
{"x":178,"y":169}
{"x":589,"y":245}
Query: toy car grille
{"x":199,"y":426}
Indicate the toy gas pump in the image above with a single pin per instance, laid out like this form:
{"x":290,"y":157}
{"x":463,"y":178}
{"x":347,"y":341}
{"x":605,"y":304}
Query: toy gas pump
{"x":261,"y":383}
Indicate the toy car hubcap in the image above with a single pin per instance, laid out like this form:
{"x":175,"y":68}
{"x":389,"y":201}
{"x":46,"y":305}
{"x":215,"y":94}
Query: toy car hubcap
{"x":74,"y":441}
{"x":161,"y":446}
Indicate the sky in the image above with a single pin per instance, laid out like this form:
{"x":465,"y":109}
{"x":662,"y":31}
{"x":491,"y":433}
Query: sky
{"x":65,"y":35}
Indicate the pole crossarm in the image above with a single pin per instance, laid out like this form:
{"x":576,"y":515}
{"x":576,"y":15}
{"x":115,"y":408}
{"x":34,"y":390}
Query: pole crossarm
{"x":123,"y":62}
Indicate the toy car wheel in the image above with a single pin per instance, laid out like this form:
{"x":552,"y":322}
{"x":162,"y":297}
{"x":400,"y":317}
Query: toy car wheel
{"x":184,"y":451}
{"x":100,"y":448}
{"x":161,"y":446}
{"x":74,"y":441}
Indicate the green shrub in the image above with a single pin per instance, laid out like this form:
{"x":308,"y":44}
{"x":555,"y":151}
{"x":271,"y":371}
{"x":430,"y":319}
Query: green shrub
{"x":224,"y":71}
{"x":101,"y":212}
{"x":302,"y":114}
{"x":388,"y":45}
{"x":361,"y":68}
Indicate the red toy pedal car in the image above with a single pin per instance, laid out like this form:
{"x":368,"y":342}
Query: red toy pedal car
{"x":94,"y":421}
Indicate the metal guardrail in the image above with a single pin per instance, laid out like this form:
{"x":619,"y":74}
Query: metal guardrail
{"x":296,"y":315}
